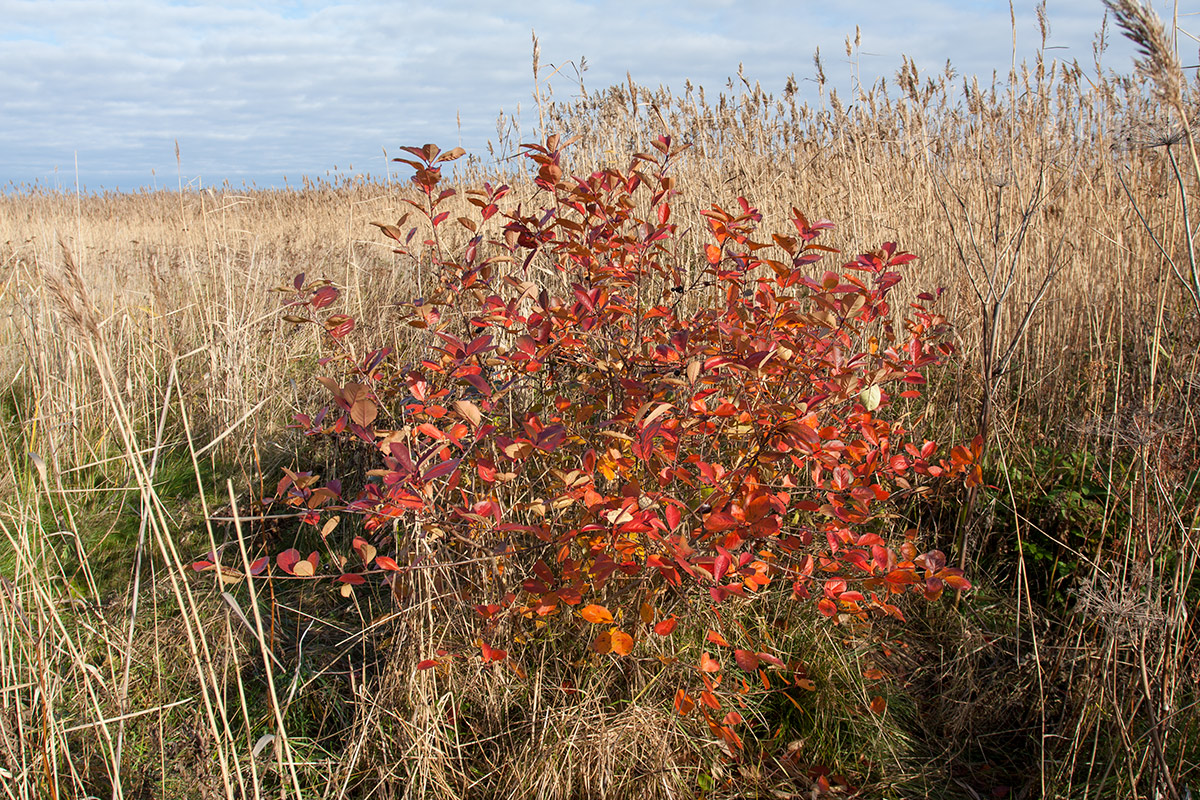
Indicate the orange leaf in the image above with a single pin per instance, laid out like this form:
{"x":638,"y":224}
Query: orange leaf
{"x":708,"y":663}
{"x":716,"y":638}
{"x":956,"y":581}
{"x":900,"y":577}
{"x":622,"y":643}
{"x":732,"y":740}
{"x":665,"y":627}
{"x":385,"y":562}
{"x":597,"y":615}
{"x":878,"y":704}
{"x":683,"y":703}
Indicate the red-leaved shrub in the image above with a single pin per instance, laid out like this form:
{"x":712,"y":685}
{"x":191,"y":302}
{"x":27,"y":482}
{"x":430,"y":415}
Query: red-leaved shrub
{"x":610,"y":414}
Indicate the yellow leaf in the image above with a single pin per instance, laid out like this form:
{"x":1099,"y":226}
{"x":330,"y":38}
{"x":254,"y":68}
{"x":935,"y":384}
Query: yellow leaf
{"x":871,"y":397}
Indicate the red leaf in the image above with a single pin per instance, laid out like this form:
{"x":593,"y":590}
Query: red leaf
{"x":324,"y":296}
{"x":770,"y":659}
{"x":480,"y":384}
{"x":720,"y":521}
{"x":444,"y":468}
{"x":486,"y":469}
{"x":665,"y":627}
{"x":339,"y":325}
{"x":427,"y":663}
{"x":386,"y":562}
{"x":746,"y":659}
{"x":673,"y":516}
{"x":287,"y":560}
{"x":721,"y":565}
{"x":488,"y":611}
{"x":491,"y":654}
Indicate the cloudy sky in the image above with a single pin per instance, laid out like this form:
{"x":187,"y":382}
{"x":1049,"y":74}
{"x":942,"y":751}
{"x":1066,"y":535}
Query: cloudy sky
{"x":256,"y":91}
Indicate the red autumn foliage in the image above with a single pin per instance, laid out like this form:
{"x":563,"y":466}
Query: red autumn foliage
{"x":612,"y":411}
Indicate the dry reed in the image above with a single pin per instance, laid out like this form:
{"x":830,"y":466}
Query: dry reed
{"x":1051,"y":205}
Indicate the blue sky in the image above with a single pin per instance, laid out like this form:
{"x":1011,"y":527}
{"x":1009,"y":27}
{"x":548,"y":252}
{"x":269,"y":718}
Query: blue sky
{"x":256,"y":91}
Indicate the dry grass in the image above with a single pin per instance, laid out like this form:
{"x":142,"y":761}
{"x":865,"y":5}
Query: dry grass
{"x":141,"y":338}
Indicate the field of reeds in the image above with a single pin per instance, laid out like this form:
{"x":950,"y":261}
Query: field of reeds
{"x":148,"y":382}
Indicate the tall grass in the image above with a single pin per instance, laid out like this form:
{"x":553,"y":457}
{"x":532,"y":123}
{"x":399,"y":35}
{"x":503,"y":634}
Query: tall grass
{"x":148,"y":380}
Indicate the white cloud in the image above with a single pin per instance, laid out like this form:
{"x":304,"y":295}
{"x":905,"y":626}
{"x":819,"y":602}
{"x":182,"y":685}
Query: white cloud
{"x":257,"y":90}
